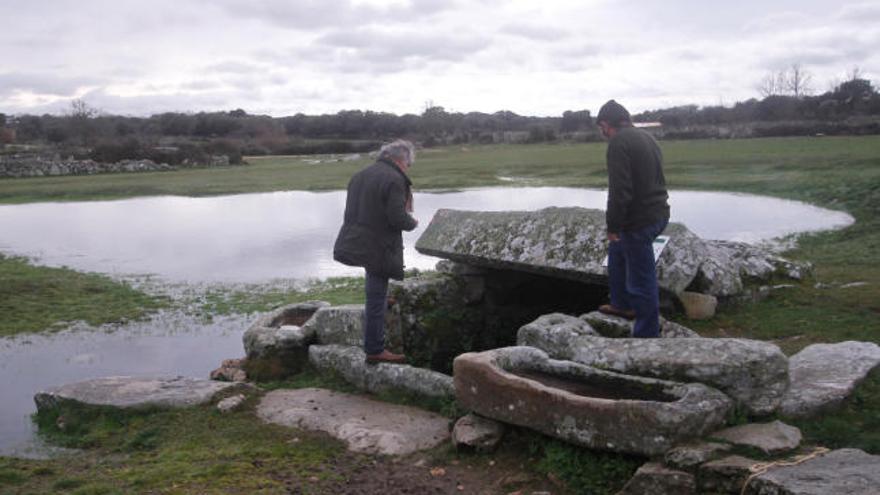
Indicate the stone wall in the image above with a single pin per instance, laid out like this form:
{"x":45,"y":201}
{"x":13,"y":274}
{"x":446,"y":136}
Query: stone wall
{"x":36,"y":165}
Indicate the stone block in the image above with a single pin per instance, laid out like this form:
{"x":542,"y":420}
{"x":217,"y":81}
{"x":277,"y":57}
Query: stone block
{"x":583,"y":405}
{"x":698,"y":306}
{"x":771,"y":438}
{"x":656,"y":479}
{"x":477,"y":433}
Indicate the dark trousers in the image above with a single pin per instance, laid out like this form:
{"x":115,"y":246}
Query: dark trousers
{"x":632,"y":277}
{"x":376,"y":288}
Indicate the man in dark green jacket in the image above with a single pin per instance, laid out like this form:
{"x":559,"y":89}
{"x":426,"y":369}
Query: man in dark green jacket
{"x":378,"y":208}
{"x":637,"y":213}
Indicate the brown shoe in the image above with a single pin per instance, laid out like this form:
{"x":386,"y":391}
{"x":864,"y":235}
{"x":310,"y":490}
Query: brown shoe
{"x":623,"y":313}
{"x":385,"y":357}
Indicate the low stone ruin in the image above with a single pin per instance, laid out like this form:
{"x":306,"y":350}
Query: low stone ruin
{"x":38,"y":165}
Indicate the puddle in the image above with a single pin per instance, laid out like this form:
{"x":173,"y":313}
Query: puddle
{"x":253,"y":238}
{"x":171,"y":343}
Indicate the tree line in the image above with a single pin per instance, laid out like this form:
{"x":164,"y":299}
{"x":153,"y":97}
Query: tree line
{"x":175,"y":136}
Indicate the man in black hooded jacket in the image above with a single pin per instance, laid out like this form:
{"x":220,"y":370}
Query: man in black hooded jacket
{"x":378,"y":209}
{"x":637,"y":213}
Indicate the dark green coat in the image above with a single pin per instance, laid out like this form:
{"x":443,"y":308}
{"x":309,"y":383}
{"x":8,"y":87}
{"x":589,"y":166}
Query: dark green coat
{"x":375,"y":217}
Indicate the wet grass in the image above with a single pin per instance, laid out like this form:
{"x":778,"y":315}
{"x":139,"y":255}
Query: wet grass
{"x":35,"y":298}
{"x":335,"y":290}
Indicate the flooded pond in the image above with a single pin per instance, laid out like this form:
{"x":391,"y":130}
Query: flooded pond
{"x":258,"y":237}
{"x":255,"y":238}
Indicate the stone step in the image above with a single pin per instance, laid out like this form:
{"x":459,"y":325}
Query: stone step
{"x":365,"y":425}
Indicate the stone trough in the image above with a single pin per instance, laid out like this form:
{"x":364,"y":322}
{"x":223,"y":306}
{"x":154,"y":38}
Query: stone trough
{"x":583,"y":405}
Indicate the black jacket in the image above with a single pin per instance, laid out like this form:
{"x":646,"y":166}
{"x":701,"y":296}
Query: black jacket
{"x":375,"y":216}
{"x":636,"y":185}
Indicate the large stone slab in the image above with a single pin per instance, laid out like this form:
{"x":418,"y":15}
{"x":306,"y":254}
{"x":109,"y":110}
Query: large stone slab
{"x":348,"y":362}
{"x":824,"y":375}
{"x":583,"y":405}
{"x":563,"y":242}
{"x":365,"y":425}
{"x":338,"y":325}
{"x":770,"y":438}
{"x":128,"y":392}
{"x":840,"y":472}
{"x":753,"y":373}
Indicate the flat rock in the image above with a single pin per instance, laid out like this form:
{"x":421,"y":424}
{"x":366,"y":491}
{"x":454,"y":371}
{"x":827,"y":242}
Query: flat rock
{"x":726,"y":475}
{"x":230,"y":404}
{"x":824,"y":375}
{"x":840,"y":472}
{"x":657,"y":479}
{"x":127,"y":392}
{"x":617,"y":327}
{"x":583,"y":405}
{"x":553,"y":332}
{"x":753,"y":373}
{"x":338,"y":325}
{"x":691,"y":455}
{"x":348,"y":362}
{"x":771,"y":438}
{"x":478,"y":433}
{"x":365,"y":425}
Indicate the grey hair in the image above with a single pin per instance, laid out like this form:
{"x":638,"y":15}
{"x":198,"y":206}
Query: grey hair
{"x":399,"y":149}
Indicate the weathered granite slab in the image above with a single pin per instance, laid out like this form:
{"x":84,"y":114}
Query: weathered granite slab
{"x":616,"y":327}
{"x":562,"y":242}
{"x":656,"y":479}
{"x":824,"y":375}
{"x":726,"y":475}
{"x":348,"y":362}
{"x":583,"y":405}
{"x":128,"y":392}
{"x":753,"y":373}
{"x":840,"y":472}
{"x":553,"y":332}
{"x":365,"y":425}
{"x":340,"y":325}
{"x":771,"y":438}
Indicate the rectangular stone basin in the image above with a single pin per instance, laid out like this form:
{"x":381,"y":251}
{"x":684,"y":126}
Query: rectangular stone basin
{"x":584,"y":405}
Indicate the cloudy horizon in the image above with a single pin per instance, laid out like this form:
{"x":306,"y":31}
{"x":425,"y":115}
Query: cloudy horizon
{"x":280,"y":57}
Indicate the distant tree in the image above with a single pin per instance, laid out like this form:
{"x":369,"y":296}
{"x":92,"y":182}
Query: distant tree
{"x":80,"y":120}
{"x":797,"y":81}
{"x":773,"y":84}
{"x":2,"y":120}
{"x":575,"y":121}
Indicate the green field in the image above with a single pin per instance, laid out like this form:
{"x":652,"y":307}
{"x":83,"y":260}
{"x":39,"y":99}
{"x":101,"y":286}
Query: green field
{"x":840,"y":173}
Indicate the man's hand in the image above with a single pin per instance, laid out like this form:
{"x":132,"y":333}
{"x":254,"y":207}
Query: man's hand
{"x":613,"y":237}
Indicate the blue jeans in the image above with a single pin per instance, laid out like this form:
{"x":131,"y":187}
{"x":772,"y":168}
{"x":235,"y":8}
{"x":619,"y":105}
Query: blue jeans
{"x":632,"y":277}
{"x":376,"y":288}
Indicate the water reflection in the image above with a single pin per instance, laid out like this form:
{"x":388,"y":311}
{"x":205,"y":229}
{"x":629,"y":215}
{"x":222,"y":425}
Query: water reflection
{"x":258,"y":237}
{"x":170,"y":344}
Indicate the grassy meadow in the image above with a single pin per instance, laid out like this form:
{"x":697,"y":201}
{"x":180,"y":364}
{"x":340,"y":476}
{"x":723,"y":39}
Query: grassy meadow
{"x":196,"y":452}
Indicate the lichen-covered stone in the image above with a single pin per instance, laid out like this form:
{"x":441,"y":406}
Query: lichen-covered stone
{"x":691,"y":455}
{"x":840,"y":472}
{"x":127,"y":392}
{"x":753,"y":373}
{"x":281,"y":330}
{"x":553,"y":331}
{"x":562,"y":242}
{"x":348,"y":362}
{"x":583,"y":405}
{"x":617,"y":327}
{"x":824,"y":375}
{"x":656,"y":479}
{"x":729,"y":264}
{"x":477,"y":433}
{"x":770,"y":438}
{"x":340,"y":325}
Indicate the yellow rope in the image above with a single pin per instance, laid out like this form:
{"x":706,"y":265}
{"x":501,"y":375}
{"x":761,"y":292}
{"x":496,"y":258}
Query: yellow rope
{"x":762,"y":467}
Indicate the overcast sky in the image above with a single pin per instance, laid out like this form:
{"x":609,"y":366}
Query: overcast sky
{"x":282,"y":57}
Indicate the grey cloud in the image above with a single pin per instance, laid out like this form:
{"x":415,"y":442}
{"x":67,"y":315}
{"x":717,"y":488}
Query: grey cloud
{"x":536,"y":32}
{"x":313,"y":14}
{"x":45,"y":84}
{"x":232,"y":67}
{"x":379,"y":45}
{"x":862,"y":12}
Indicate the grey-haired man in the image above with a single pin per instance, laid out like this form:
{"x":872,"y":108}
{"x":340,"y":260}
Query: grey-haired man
{"x":378,"y":209}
